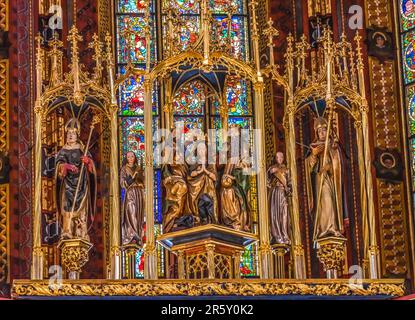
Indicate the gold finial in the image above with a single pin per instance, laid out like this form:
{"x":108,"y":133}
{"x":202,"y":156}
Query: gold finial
{"x":358,"y":39}
{"x":98,"y":52}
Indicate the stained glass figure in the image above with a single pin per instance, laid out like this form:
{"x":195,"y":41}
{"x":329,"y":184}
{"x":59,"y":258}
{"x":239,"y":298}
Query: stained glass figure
{"x":189,"y":31}
{"x":237,"y":98}
{"x":236,"y":38}
{"x":407,"y":8}
{"x":410,"y":97}
{"x":132,"y":6}
{"x":183,"y":6}
{"x":222,"y":6}
{"x":190,"y":99}
{"x":132,"y":40}
{"x":408,"y":52}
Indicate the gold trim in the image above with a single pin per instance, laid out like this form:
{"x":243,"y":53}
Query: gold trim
{"x":27,"y":288}
{"x":208,"y":227}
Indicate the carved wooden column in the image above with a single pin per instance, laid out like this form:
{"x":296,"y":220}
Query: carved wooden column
{"x":150,"y":249}
{"x":297,"y":248}
{"x":373,"y":250}
{"x":37,"y":253}
{"x":265,"y":252}
{"x":180,"y":264}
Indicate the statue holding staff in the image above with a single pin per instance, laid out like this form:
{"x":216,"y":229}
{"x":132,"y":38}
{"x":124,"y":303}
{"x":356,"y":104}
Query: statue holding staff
{"x":75,"y":184}
{"x":324,"y":183}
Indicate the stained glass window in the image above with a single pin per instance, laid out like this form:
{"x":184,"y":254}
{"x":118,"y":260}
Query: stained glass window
{"x":190,"y":100}
{"x":194,"y":102}
{"x":132,"y":40}
{"x":130,"y":24}
{"x":407,"y":25}
{"x":189,"y":22}
{"x":235,"y":38}
{"x":407,"y":10}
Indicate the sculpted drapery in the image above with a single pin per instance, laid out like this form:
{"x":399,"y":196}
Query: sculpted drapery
{"x":279,"y":184}
{"x":69,"y":161}
{"x":324,"y":184}
{"x":132,"y":217}
{"x":176,"y":190}
{"x":234,"y":203}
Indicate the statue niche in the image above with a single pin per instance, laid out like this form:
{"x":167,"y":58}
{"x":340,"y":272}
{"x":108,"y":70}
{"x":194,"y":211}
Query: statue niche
{"x":75,"y":187}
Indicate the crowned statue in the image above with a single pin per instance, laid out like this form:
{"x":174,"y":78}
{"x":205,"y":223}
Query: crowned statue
{"x":324,"y":183}
{"x":75,"y":185}
{"x":132,"y":212}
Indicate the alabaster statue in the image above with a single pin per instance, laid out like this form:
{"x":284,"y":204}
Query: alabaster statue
{"x":174,"y":181}
{"x":324,"y":183}
{"x":280,"y":188}
{"x":234,"y":202}
{"x":75,"y":185}
{"x":202,"y":201}
{"x":132,"y":212}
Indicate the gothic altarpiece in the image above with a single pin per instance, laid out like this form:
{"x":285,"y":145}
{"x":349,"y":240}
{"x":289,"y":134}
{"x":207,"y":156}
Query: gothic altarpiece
{"x":105,"y":208}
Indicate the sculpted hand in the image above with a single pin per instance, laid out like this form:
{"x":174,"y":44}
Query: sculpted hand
{"x":68,"y":168}
{"x":87,"y":162}
{"x":317,"y":149}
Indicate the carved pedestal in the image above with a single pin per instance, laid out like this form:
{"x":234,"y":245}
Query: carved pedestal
{"x":279,"y":251}
{"x":130,"y":251}
{"x":331,"y":253}
{"x":208,"y":252}
{"x":74,"y":255}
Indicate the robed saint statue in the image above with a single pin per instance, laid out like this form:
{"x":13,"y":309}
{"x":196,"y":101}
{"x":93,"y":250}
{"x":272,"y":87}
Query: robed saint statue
{"x":75,"y":185}
{"x":324,"y":183}
{"x":132,"y":211}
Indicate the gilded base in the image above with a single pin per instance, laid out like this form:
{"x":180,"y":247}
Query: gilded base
{"x":26,"y":288}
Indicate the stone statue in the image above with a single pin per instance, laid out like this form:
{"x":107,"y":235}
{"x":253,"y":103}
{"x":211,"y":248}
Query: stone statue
{"x":176,"y":190}
{"x":202,"y":200}
{"x":69,"y":161}
{"x":234,"y":202}
{"x":132,"y":212}
{"x":324,"y":184}
{"x":279,"y":184}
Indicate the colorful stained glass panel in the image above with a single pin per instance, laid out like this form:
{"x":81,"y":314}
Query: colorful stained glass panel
{"x":410,"y":103}
{"x":132,"y":96}
{"x":183,"y":6}
{"x":235,"y":37}
{"x":189,"y":31}
{"x":408,"y":52}
{"x":190,"y":99}
{"x":237,"y":97}
{"x":222,"y":6}
{"x":407,"y":8}
{"x":132,"y":137}
{"x":131,"y":29}
{"x":190,"y":123}
{"x":412,"y":157}
{"x":133,"y":6}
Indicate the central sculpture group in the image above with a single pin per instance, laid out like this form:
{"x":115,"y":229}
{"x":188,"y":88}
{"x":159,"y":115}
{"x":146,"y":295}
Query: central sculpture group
{"x":202,"y":193}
